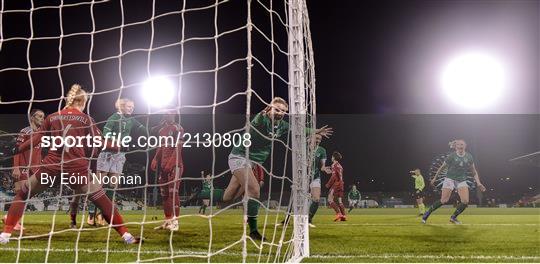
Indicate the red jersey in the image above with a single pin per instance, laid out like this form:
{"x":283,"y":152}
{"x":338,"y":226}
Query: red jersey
{"x":336,"y":181}
{"x":29,"y":158}
{"x":169,"y":156}
{"x":66,"y":123}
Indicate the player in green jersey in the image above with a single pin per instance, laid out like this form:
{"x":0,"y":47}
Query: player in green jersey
{"x":458,"y":164}
{"x":354,"y":197}
{"x":110,"y":163}
{"x":319,"y":166}
{"x":266,"y":127}
{"x":419,"y":186}
{"x":206,"y":187}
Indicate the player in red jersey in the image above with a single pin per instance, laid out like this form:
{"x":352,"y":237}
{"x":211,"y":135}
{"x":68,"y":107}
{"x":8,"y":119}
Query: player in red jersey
{"x":336,"y":186}
{"x":169,"y":166}
{"x":72,"y":160}
{"x":26,"y":163}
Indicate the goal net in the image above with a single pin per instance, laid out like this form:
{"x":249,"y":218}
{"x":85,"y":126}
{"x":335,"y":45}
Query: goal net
{"x":222,"y":58}
{"x":531,"y":159}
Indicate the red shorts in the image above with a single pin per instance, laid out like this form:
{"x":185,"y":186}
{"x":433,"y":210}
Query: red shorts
{"x":169,"y":183}
{"x":338,"y":191}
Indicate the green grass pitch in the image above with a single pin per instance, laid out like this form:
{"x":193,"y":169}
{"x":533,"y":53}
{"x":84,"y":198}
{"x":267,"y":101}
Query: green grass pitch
{"x":370,"y":235}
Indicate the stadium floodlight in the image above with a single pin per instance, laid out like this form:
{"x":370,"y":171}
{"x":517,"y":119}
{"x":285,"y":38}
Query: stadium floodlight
{"x":474,"y":80}
{"x":158,"y":91}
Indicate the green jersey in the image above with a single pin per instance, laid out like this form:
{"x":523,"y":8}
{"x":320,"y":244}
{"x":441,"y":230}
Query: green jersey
{"x":261,"y":129}
{"x":319,"y":158}
{"x":419,"y":182}
{"x":120,"y":124}
{"x":207,"y":185}
{"x":353,"y":194}
{"x":458,"y":167}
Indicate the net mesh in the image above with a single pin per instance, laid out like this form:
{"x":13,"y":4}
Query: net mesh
{"x":223,"y":55}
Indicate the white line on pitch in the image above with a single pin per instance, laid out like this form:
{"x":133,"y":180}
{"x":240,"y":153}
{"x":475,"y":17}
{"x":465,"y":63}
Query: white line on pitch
{"x":203,"y":253}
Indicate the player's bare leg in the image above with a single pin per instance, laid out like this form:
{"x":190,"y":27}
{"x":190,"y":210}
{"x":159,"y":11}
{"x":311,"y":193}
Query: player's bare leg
{"x":243,"y":176}
{"x":421,"y":206}
{"x":463,"y":193}
{"x":233,"y":190}
{"x":445,"y":197}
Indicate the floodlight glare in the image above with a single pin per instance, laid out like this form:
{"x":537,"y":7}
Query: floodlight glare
{"x":158,"y":91}
{"x":473,"y":80}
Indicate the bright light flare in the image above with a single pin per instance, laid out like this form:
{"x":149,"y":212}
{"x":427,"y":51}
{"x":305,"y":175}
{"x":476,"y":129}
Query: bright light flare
{"x":473,"y":80}
{"x":158,"y":91}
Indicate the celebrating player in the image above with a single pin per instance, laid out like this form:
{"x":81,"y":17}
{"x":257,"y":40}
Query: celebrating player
{"x":70,"y":122}
{"x":26,"y":163}
{"x":266,"y":126}
{"x":354,"y":197}
{"x":109,"y":163}
{"x":206,"y":187}
{"x":336,"y":186}
{"x":419,"y":186}
{"x":458,"y":163}
{"x":170,"y":167}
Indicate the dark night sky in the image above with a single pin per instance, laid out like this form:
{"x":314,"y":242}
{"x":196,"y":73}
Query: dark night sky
{"x":374,"y":58}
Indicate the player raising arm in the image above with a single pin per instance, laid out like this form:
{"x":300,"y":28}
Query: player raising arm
{"x":69,"y":122}
{"x":458,"y":164}
{"x":266,"y":127}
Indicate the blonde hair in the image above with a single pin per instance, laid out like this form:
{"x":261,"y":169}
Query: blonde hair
{"x":76,"y":94}
{"x":121,"y":102}
{"x":279,"y":100}
{"x":452,"y":144}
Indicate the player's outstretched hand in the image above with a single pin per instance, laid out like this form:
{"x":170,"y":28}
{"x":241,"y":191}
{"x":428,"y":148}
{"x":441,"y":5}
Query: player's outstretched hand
{"x":482,"y":187}
{"x":325,"y":131}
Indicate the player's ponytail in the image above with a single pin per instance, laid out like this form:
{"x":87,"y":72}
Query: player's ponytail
{"x":75,"y":94}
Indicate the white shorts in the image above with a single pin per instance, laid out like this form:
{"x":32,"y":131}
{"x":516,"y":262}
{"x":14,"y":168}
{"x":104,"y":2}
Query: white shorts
{"x":237,"y":162}
{"x":353,"y":202}
{"x":315,"y":183}
{"x":453,"y":184}
{"x":111,"y":162}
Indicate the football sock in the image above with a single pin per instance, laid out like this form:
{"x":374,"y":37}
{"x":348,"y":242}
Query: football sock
{"x":435,"y":206}
{"x":342,"y":208}
{"x":16,"y":210}
{"x":459,"y":209}
{"x":335,"y":207}
{"x":422,"y":208}
{"x":252,"y":213}
{"x":109,"y":212}
{"x":313,"y":209}
{"x":73,"y":208}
